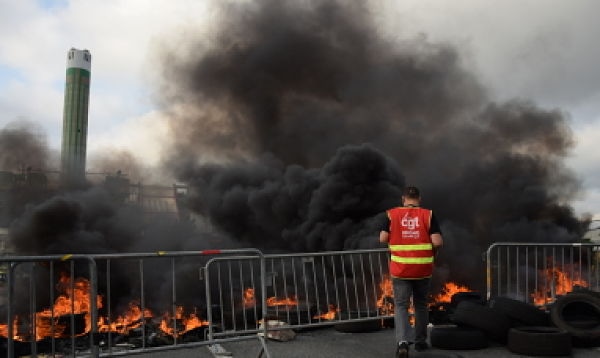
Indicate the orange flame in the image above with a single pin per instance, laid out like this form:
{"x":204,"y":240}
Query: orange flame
{"x":288,"y":301}
{"x":556,"y":283}
{"x":189,"y":322}
{"x":385,"y":302}
{"x":329,"y":315}
{"x":127,"y":321}
{"x":249,"y":299}
{"x":449,"y":289}
{"x":74,"y":299}
{"x":4,"y":329}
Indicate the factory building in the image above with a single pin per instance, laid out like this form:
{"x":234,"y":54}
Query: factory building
{"x":75,"y":117}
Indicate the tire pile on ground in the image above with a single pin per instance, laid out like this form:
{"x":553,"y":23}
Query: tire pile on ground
{"x":573,"y":320}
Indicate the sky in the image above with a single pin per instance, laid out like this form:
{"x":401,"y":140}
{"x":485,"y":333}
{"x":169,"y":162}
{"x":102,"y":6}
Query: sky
{"x":540,"y":50}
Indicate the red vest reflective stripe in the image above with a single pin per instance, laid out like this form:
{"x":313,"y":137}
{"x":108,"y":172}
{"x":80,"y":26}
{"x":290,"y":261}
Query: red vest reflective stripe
{"x":409,"y":241}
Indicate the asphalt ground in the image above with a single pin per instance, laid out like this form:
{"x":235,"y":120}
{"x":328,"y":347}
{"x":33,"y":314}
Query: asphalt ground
{"x":329,"y":343}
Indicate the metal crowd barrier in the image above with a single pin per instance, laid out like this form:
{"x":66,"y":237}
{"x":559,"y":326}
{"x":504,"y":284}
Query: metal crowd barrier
{"x":538,"y":273}
{"x":28,"y":301}
{"x":301,"y":290}
{"x":328,"y":287}
{"x":140,"y":302}
{"x":144,"y":302}
{"x":175,"y":280}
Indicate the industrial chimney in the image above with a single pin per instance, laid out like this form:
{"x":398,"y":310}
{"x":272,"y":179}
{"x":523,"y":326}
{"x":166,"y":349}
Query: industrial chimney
{"x":75,"y":117}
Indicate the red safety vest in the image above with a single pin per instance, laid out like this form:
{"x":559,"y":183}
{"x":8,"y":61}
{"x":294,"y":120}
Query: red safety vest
{"x":409,"y":242}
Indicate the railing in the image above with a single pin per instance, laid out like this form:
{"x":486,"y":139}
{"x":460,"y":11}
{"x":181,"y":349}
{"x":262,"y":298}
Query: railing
{"x":142,"y":302}
{"x":329,"y":287}
{"x":174,"y":280}
{"x":30,"y":285}
{"x":142,"y":296}
{"x":301,"y":290}
{"x":539,"y":272}
{"x":232,"y":293}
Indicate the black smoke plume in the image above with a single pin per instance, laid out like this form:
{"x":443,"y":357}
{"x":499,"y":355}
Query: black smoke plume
{"x":23,"y":147}
{"x":24,"y":158}
{"x":296,"y":123}
{"x":265,"y":204}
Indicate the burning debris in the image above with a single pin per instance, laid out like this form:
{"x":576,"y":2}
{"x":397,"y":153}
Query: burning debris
{"x":140,"y":326}
{"x":556,"y":282}
{"x":73,"y":305}
{"x":385,"y":302}
{"x":449,"y":290}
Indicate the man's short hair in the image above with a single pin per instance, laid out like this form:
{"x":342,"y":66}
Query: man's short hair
{"x":411,"y":192}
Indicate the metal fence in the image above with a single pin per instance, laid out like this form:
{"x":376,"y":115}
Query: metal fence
{"x":123,"y":304}
{"x":30,"y":290}
{"x":301,"y":290}
{"x":329,"y":287}
{"x":112,"y":305}
{"x":538,"y":273}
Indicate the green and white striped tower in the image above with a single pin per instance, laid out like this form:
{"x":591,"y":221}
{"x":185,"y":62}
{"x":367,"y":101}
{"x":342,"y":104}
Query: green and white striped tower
{"x":75,"y":117}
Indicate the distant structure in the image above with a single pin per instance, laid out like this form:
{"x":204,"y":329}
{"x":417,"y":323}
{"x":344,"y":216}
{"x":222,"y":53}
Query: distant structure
{"x":75,"y":117}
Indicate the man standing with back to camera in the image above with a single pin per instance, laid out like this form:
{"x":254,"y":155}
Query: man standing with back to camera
{"x":414,"y":236}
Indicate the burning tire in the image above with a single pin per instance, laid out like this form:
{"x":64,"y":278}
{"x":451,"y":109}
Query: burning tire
{"x":455,"y":337}
{"x":471,"y":296}
{"x":520,"y":313}
{"x":539,"y":341}
{"x":578,"y":314}
{"x":492,"y":322}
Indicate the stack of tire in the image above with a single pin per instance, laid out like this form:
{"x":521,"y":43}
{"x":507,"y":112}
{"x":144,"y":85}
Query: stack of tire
{"x":573,"y":320}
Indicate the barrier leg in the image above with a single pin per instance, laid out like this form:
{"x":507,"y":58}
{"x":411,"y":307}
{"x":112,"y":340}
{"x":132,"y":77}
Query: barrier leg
{"x":264,"y":348}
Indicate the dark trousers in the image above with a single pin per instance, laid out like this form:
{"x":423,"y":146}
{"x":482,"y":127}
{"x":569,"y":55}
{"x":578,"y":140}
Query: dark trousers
{"x":404,"y":290}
